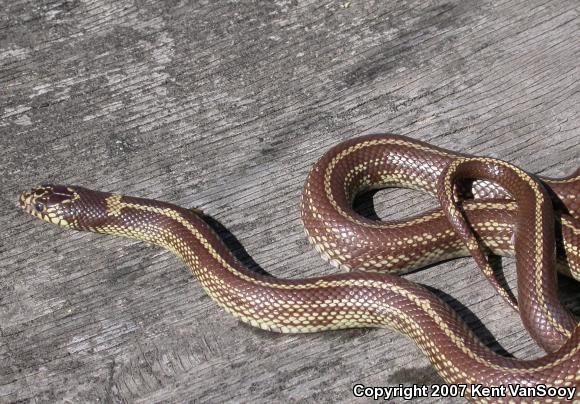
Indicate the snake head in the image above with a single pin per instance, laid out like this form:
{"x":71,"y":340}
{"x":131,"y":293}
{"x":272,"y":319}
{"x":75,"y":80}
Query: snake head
{"x":51,"y":203}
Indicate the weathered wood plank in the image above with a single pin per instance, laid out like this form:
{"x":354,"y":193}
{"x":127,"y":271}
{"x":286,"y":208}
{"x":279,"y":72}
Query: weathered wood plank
{"x":225,"y":106}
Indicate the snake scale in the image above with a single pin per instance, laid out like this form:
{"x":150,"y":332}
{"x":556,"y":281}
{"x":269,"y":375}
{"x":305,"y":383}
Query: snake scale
{"x":487,"y":206}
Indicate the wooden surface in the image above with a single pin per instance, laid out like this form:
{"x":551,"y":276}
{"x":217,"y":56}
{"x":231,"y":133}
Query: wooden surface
{"x":225,"y":106}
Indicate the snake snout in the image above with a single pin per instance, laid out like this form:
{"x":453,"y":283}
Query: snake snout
{"x":24,"y":199}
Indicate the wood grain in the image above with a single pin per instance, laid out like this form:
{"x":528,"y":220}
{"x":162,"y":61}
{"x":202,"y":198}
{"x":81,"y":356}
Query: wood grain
{"x":225,"y":106}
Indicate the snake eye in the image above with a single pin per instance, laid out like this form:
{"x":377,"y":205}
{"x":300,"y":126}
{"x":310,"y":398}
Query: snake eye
{"x":39,"y":206}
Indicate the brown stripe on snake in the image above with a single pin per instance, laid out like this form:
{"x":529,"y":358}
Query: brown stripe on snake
{"x":360,"y":299}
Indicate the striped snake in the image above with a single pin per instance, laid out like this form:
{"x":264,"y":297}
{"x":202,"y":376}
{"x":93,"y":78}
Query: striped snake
{"x":487,"y":206}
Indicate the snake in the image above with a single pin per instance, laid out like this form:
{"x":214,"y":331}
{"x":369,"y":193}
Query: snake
{"x":487,"y":206}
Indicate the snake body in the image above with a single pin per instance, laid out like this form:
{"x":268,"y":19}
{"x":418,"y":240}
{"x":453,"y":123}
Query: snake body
{"x":505,"y":210}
